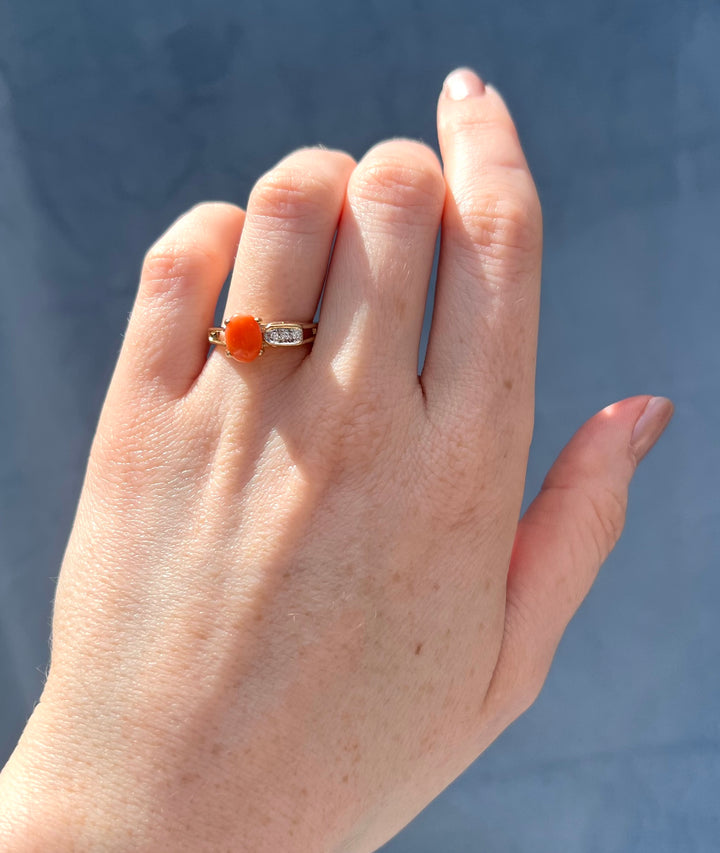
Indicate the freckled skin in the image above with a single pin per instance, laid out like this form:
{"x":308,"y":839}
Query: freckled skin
{"x":296,"y":601}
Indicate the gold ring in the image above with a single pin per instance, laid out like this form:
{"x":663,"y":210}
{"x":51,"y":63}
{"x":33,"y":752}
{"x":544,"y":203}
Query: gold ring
{"x":245,"y":337}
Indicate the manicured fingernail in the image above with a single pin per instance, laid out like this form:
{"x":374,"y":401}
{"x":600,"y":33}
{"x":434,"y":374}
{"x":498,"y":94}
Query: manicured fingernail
{"x":651,"y":425}
{"x":463,"y":83}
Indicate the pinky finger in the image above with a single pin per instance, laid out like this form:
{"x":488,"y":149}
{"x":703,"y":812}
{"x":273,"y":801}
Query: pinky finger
{"x":183,"y":273}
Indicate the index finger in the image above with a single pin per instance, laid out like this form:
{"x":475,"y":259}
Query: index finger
{"x":483,"y":339}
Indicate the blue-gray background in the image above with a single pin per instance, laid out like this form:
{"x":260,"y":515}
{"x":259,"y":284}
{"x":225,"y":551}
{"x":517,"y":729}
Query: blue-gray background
{"x":114,"y":117}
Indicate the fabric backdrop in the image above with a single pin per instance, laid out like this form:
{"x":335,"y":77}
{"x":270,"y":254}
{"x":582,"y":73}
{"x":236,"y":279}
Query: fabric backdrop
{"x":115,"y":117}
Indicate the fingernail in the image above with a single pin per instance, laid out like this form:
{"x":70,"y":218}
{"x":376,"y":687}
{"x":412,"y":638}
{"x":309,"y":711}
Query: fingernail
{"x":463,"y":83}
{"x":651,"y":425}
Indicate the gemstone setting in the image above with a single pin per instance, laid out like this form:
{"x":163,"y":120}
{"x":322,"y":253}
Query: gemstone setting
{"x":243,"y":337}
{"x":283,"y":335}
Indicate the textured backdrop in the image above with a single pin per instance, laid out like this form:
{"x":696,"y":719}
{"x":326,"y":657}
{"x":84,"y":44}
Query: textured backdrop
{"x":115,"y":117}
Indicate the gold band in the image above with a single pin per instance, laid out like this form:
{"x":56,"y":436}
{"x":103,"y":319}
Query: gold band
{"x":249,"y":335}
{"x":216,"y":334}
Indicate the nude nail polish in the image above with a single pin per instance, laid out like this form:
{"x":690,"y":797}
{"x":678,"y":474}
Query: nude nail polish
{"x":463,"y":83}
{"x":651,"y":425}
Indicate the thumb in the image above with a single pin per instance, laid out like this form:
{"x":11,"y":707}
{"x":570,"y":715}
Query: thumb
{"x":566,"y":534}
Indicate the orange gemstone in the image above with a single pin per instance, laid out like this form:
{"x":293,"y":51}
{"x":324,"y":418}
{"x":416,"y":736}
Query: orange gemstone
{"x":243,"y":337}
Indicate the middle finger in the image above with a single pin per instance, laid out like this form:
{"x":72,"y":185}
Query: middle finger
{"x":380,"y":268}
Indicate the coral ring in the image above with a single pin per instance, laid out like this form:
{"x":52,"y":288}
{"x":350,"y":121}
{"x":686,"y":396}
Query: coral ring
{"x":245,"y":337}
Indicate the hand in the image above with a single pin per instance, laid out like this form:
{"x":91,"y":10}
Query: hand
{"x":296,"y":601}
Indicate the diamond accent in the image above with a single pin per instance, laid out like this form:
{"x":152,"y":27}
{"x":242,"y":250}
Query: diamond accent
{"x":283,"y":336}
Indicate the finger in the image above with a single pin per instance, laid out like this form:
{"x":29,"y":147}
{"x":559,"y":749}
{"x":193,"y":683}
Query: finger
{"x":183,"y":273}
{"x":292,"y":216}
{"x":567,"y":533}
{"x":382,"y":261}
{"x":481,"y":350}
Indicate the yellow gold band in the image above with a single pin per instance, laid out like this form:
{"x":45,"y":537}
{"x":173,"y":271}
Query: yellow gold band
{"x":245,"y":337}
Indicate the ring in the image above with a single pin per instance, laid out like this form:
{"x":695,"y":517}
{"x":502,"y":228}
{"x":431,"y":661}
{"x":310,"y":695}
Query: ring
{"x":245,"y":337}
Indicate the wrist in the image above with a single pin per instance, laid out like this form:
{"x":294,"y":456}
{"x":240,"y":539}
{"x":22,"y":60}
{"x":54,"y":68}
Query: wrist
{"x":28,"y":819}
{"x":52,"y":797}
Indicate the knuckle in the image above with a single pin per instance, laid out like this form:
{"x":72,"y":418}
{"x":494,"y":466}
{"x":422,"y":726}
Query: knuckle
{"x":487,"y":126}
{"x":600,"y":511}
{"x":607,"y":510}
{"x":175,"y":258}
{"x":503,"y":220}
{"x":185,"y":251}
{"x":400,"y":181}
{"x":298,"y":197}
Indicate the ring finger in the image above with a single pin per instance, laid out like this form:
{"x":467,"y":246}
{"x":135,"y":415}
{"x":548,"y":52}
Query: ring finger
{"x":375,"y":295}
{"x":291,"y":218}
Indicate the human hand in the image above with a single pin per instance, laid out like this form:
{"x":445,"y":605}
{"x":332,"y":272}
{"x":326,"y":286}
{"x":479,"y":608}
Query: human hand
{"x":296,"y":601}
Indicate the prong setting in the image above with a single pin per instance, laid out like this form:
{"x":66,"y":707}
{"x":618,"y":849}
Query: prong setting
{"x":245,"y":337}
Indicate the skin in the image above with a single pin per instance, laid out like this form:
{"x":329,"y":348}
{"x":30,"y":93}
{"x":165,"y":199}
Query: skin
{"x":297,"y":600}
